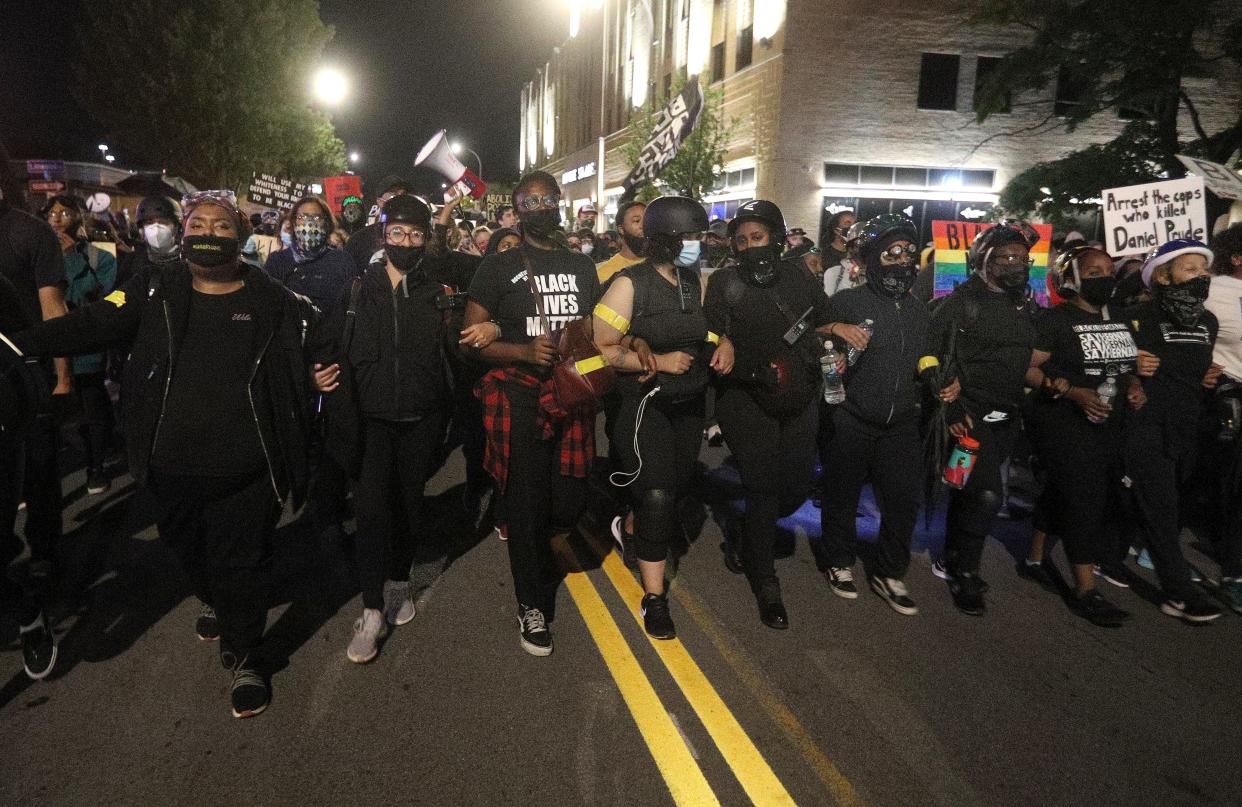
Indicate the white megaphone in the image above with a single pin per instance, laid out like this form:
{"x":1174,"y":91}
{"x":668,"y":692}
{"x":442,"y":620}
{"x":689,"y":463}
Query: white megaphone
{"x":438,"y":156}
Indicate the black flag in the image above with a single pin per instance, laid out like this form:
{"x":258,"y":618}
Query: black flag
{"x":674,"y":122}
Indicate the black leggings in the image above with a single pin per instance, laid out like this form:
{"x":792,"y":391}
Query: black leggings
{"x":96,"y":423}
{"x":668,"y":439}
{"x":388,"y":499}
{"x":1159,"y":457}
{"x":776,"y":458}
{"x":973,"y":508}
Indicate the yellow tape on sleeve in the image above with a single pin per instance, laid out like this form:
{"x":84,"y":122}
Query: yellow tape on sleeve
{"x":612,"y":318}
{"x":928,"y":361}
{"x":714,"y":338}
{"x":590,"y":365}
{"x":117,"y":298}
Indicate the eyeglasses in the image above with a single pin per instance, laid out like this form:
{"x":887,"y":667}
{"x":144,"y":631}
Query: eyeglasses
{"x":399,"y":233}
{"x":1013,"y":260}
{"x":60,"y":214}
{"x":535,"y":201}
{"x":225,"y":198}
{"x":310,"y":218}
{"x":897,"y":251}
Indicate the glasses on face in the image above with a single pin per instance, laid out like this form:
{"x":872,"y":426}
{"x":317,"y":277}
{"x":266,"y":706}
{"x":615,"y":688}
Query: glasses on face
{"x":59,"y":214}
{"x":896,"y":252}
{"x":1013,"y":260}
{"x":536,"y":202}
{"x":310,"y":218}
{"x":397,"y":233}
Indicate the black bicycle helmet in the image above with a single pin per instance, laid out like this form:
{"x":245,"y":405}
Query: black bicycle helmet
{"x":406,"y":209}
{"x":673,"y":215}
{"x":881,"y":228}
{"x":1010,"y":232}
{"x":764,"y":212}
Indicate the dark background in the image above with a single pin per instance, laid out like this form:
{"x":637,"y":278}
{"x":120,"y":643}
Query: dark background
{"x":414,"y":67}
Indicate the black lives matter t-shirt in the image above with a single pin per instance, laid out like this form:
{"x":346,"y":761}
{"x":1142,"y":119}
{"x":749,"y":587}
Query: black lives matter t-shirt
{"x":566,"y":282}
{"x":208,"y":427}
{"x":1085,"y":348}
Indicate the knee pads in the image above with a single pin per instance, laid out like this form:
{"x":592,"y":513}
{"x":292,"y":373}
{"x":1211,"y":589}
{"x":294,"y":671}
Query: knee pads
{"x":975,"y":511}
{"x":657,"y":521}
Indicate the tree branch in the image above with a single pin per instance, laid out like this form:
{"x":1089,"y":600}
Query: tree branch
{"x":1194,"y":114}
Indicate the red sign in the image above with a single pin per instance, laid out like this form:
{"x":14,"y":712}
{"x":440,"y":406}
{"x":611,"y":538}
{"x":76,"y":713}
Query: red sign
{"x":46,"y":186}
{"x":335,"y":189}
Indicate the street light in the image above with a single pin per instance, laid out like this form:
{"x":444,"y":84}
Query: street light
{"x":458,"y":148}
{"x":110,"y":158}
{"x":354,"y":157}
{"x":330,"y":86}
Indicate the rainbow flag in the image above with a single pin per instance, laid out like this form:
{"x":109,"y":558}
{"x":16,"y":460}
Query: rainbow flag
{"x":953,"y":239}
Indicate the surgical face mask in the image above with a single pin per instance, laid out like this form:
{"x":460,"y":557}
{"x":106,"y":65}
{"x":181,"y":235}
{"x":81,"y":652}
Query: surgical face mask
{"x":310,"y":236}
{"x":587,"y":247}
{"x":689,"y":255}
{"x":160,"y":237}
{"x":1097,"y":290}
{"x":286,"y":238}
{"x":1184,"y":302}
{"x":209,"y":250}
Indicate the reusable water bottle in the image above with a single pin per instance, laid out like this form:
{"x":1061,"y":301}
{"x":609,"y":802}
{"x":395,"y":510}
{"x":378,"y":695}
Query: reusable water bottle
{"x":834,"y":387}
{"x":961,"y":462}
{"x":852,"y":353}
{"x":1107,"y":393}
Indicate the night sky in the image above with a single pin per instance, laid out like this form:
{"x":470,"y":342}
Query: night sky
{"x":416,"y":66}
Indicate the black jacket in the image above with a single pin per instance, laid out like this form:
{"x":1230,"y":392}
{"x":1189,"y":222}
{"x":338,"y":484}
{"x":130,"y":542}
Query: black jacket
{"x":152,"y":310}
{"x":882,"y":386}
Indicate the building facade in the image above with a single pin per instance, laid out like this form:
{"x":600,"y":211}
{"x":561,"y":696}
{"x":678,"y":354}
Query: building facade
{"x":836,"y":104}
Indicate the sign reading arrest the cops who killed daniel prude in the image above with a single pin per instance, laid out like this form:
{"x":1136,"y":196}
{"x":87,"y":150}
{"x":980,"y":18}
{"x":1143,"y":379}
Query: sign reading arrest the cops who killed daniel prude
{"x":1139,"y":218}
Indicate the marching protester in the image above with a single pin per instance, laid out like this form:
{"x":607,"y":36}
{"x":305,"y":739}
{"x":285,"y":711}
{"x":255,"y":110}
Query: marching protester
{"x":630,"y":215}
{"x":220,"y":343}
{"x":538,"y":453}
{"x":658,"y":425}
{"x":1084,"y":362}
{"x":1177,"y":331}
{"x":716,"y":251}
{"x":845,"y":273}
{"x":875,"y":432}
{"x":90,"y":273}
{"x":982,"y":333}
{"x":506,"y":217}
{"x":309,"y":267}
{"x":353,"y":215}
{"x":159,"y":225}
{"x":586,"y":217}
{"x":365,"y":242}
{"x":767,"y":407}
{"x":835,"y":247}
{"x":502,"y":240}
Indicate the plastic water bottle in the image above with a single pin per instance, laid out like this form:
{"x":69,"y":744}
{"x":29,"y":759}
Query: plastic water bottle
{"x":961,"y":462}
{"x":852,"y":353}
{"x":834,"y":387}
{"x":1107,"y":393}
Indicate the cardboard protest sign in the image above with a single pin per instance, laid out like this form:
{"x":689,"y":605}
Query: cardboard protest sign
{"x":1220,"y":179}
{"x":335,"y":189}
{"x":273,"y":191}
{"x":675,"y":121}
{"x":953,"y":240}
{"x":1139,"y":218}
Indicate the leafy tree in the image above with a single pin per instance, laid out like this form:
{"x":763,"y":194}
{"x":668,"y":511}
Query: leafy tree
{"x":1129,"y":58}
{"x":699,"y":160}
{"x":212,"y":90}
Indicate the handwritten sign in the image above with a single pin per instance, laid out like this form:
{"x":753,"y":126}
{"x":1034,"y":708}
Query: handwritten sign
{"x":273,"y":191}
{"x":953,"y":240}
{"x":1139,"y":218}
{"x":335,"y":189}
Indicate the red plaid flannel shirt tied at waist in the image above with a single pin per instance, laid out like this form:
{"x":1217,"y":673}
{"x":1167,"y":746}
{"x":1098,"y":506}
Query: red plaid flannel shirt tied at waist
{"x":577,"y":429}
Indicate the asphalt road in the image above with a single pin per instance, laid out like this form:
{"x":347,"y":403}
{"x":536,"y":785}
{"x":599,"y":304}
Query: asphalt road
{"x":854,"y":705}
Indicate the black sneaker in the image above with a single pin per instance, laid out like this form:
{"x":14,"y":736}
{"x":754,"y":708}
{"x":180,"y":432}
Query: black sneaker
{"x":250,"y":693}
{"x":841,"y":581}
{"x":38,"y":648}
{"x":1038,"y":571}
{"x":1114,"y":573}
{"x":536,"y":639}
{"x":207,"y":626}
{"x":771,"y":609}
{"x":1197,"y":610}
{"x":656,"y":619}
{"x":967,"y":591}
{"x":894,"y":592}
{"x":1094,"y":608}
{"x":97,"y":482}
{"x":732,"y":548}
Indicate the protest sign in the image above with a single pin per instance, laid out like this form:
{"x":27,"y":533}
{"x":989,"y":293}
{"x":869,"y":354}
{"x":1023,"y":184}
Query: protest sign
{"x":1221,"y":180}
{"x":953,"y":240}
{"x":674,"y":122}
{"x":1139,"y":218}
{"x":335,"y":189}
{"x":273,"y":191}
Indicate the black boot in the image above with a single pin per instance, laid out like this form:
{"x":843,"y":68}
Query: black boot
{"x":771,"y":608}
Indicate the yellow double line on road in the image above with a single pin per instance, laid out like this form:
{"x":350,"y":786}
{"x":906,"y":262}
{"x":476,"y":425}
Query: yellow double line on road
{"x":752,"y":771}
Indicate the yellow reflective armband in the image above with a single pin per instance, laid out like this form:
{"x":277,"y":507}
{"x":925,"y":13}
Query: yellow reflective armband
{"x":117,"y":298}
{"x":590,"y":365}
{"x":714,"y":338}
{"x":612,"y":318}
{"x":928,"y":361}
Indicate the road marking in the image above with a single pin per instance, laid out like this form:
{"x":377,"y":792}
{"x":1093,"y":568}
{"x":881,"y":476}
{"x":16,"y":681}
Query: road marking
{"x":748,"y":765}
{"x":672,"y":755}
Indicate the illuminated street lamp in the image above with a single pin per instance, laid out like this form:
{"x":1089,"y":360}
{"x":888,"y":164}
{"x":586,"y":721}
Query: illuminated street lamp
{"x":458,"y":148}
{"x":354,"y":157}
{"x":330,"y":86}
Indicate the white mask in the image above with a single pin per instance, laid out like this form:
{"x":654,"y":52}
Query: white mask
{"x":588,"y":248}
{"x":159,"y":237}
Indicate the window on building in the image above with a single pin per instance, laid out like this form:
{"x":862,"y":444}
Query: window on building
{"x":840,"y":174}
{"x":718,"y":57}
{"x":745,"y":33}
{"x":1071,"y":89}
{"x":985,"y":68}
{"x":938,"y":81}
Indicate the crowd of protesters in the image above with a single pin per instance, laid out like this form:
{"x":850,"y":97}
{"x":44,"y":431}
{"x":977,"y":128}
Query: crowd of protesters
{"x":310,"y":358}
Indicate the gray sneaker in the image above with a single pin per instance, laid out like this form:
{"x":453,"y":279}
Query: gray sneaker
{"x":368,"y":630}
{"x":398,"y":604}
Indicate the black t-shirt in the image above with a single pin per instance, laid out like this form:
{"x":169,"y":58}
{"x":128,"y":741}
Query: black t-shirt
{"x":566,"y":281}
{"x":1185,"y":356}
{"x":208,"y":427}
{"x":30,"y":257}
{"x":1084,"y":347}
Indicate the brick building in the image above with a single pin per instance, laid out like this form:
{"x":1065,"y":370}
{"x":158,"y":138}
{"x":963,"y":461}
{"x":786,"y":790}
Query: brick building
{"x":862,"y":104}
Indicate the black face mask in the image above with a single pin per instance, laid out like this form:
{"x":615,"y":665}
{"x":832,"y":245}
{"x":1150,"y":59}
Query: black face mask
{"x":893,"y":281}
{"x":1097,"y":290}
{"x":209,"y":250}
{"x":1184,"y":301}
{"x":1013,"y":279}
{"x":405,"y":259}
{"x":540,"y":223}
{"x":636,"y":243}
{"x":758,"y":265}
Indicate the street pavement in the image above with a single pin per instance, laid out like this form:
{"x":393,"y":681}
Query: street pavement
{"x":854,"y":705}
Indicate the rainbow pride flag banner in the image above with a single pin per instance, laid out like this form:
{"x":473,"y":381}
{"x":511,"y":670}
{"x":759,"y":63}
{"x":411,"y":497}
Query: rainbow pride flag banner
{"x":953,"y":239}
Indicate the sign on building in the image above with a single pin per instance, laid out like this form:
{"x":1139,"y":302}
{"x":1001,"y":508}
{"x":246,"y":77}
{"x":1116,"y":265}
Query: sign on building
{"x":1220,"y":179}
{"x":953,"y":240}
{"x":1139,"y":218}
{"x":48,"y":168}
{"x":273,"y":191}
{"x":673,"y":123}
{"x":46,"y":186}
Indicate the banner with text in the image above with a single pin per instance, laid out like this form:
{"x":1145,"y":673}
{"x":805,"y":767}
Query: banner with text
{"x":673,"y":123}
{"x":335,"y":189}
{"x":1139,"y":218}
{"x":273,"y":191}
{"x":953,"y":239}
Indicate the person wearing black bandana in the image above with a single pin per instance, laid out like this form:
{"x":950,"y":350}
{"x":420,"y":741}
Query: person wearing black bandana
{"x":1175,"y":333}
{"x":770,"y":310}
{"x":216,"y":415}
{"x":875,"y":434}
{"x":982,"y":334}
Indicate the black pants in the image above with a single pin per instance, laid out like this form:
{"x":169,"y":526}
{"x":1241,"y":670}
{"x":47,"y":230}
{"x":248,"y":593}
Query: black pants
{"x":668,"y":439}
{"x":536,"y":500}
{"x":776,"y":458}
{"x":890,"y":456}
{"x":96,"y":423}
{"x":41,"y":487}
{"x":1159,"y":457}
{"x":12,"y":598}
{"x":973,"y":509}
{"x":221,"y":530}
{"x":388,"y":500}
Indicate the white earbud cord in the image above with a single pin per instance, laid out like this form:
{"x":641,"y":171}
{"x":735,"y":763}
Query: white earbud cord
{"x":638,"y":423}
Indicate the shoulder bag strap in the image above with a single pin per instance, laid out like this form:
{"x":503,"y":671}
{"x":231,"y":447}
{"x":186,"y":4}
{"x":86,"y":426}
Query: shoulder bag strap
{"x":534,"y":292}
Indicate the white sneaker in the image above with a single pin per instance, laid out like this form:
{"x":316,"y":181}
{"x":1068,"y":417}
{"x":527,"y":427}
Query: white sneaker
{"x":368,"y":630}
{"x":398,"y":604}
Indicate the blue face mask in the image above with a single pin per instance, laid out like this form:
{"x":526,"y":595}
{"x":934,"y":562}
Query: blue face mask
{"x":689,"y":255}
